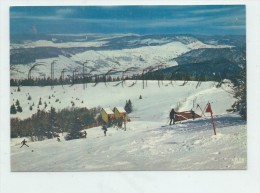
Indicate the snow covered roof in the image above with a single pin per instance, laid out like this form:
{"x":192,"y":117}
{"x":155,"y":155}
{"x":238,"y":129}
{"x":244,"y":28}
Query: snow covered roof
{"x":121,"y":109}
{"x":108,"y":111}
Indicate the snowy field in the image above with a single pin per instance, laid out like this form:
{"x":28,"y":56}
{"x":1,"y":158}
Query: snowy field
{"x":148,"y":142}
{"x":156,"y":103}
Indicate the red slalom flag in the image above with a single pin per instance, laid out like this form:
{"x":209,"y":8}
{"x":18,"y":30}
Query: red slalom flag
{"x":209,"y":110}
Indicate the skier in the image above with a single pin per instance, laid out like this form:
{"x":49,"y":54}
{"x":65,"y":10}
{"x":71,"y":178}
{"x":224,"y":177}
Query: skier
{"x":192,"y":114}
{"x":58,"y":139}
{"x":172,"y":116}
{"x":24,"y":143}
{"x":105,"y":130}
{"x":85,"y":134}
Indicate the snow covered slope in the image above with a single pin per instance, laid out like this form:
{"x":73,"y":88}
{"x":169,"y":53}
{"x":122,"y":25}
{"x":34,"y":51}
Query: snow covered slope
{"x":155,"y":104}
{"x":148,"y":143}
{"x":101,"y":53}
{"x":190,"y":145}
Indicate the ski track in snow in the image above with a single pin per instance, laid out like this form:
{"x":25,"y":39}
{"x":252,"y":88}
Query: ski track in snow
{"x":149,"y":143}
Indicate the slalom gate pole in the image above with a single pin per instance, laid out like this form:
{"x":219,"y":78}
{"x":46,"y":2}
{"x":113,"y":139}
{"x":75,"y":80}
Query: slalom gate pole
{"x":213,"y":125}
{"x":202,"y":112}
{"x":206,"y":107}
{"x":209,"y":110}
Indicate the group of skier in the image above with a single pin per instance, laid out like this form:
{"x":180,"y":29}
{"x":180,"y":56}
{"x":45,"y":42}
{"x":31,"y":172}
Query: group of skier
{"x":172,"y":116}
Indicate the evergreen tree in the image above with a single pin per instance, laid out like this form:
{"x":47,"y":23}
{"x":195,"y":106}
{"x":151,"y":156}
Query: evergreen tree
{"x":53,"y":125}
{"x":76,"y":126}
{"x":17,"y":103}
{"x":40,"y":102}
{"x":128,"y":106}
{"x":13,"y":109}
{"x":240,"y":94}
{"x":19,"y":109}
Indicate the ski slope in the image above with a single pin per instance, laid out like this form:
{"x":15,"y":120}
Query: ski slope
{"x":190,"y":145}
{"x":156,"y":103}
{"x":148,"y":143}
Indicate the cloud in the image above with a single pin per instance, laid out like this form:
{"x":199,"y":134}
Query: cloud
{"x":172,"y":22}
{"x":56,"y":15}
{"x":225,"y":18}
{"x":65,"y":11}
{"x":28,"y":17}
{"x":216,"y":10}
{"x":17,"y":14}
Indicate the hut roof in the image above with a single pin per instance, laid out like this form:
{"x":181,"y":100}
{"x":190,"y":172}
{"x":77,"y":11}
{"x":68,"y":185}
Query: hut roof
{"x":185,"y":115}
{"x":108,"y":111}
{"x":121,"y":109}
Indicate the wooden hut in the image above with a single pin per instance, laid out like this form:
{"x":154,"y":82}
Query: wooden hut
{"x":120,"y":117}
{"x":107,"y":114}
{"x":185,"y":116}
{"x":120,"y":113}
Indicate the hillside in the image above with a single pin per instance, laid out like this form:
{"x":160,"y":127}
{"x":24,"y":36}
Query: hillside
{"x":190,"y":145}
{"x":116,"y":51}
{"x":154,"y":97}
{"x":148,"y":142}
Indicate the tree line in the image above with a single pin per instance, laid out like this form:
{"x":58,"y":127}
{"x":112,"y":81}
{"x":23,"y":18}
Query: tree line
{"x":156,"y":75}
{"x":240,"y":93}
{"x":59,"y":81}
{"x":42,"y":124}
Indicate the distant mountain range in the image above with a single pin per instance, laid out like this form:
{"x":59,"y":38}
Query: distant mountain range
{"x":196,"y":54}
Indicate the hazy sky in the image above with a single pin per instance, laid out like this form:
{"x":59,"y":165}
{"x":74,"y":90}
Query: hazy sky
{"x":209,"y":20}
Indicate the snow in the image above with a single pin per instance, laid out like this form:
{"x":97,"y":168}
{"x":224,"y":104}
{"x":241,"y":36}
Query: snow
{"x":148,"y":143}
{"x":154,"y":98}
{"x":121,"y":109}
{"x":108,"y":111}
{"x":104,"y":60}
{"x":143,"y":146}
{"x":46,"y":43}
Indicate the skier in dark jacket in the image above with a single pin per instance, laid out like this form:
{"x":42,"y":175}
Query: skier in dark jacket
{"x":172,"y":116}
{"x":24,"y":143}
{"x":192,"y":114}
{"x":85,"y":134}
{"x":105,"y":130}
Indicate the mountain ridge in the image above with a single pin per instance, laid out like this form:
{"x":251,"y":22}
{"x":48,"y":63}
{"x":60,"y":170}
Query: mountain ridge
{"x":121,"y":51}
